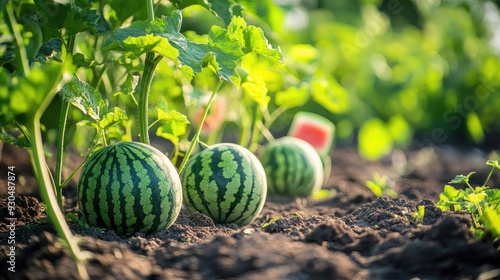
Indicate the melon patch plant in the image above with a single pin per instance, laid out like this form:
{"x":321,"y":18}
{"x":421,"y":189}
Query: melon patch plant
{"x":226,"y":182}
{"x":292,"y":166}
{"x":94,"y":73}
{"x":481,"y":202}
{"x":129,"y":187}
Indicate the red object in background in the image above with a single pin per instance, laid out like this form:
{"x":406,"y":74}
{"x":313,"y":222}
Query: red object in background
{"x":312,"y":133}
{"x":315,"y":129}
{"x":215,"y":117}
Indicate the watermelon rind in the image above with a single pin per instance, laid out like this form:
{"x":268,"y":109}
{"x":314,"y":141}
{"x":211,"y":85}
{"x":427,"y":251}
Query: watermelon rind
{"x":129,"y":187}
{"x":293,"y":167}
{"x":225,"y":182}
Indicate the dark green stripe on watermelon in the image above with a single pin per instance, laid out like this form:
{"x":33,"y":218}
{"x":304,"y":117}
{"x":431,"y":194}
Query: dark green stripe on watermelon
{"x":225,"y":182}
{"x":293,"y":167}
{"x":129,"y":187}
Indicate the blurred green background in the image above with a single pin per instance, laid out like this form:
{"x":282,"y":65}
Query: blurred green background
{"x":397,"y":73}
{"x":400,"y":72}
{"x":389,"y":73}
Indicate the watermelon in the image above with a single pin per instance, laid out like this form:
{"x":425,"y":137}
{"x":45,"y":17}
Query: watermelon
{"x":225,"y":182}
{"x":293,"y":167}
{"x":315,"y":129}
{"x":129,"y":187}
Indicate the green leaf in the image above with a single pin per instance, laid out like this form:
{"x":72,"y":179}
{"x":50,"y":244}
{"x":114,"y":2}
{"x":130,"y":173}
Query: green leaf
{"x":161,"y":36}
{"x":461,"y":179}
{"x":292,"y":97}
{"x":175,"y":123}
{"x":475,"y":198}
{"x":222,"y":53}
{"x":29,"y":93}
{"x":18,"y":139}
{"x":116,"y":133}
{"x":3,"y":3}
{"x":378,"y":185}
{"x":84,"y":97}
{"x":451,"y":196}
{"x":73,"y":16}
{"x":172,"y":130}
{"x":492,"y":221}
{"x":324,"y":193}
{"x":375,"y":140}
{"x":257,"y":42}
{"x":128,"y":87}
{"x":87,"y":123}
{"x":493,"y":163}
{"x":50,"y":49}
{"x":375,"y":188}
{"x":256,"y":89}
{"x":119,"y":12}
{"x":162,"y":109}
{"x":80,"y":61}
{"x":112,"y":118}
{"x":400,"y":130}
{"x":475,"y":127}
{"x":222,"y":9}
{"x":165,"y":114}
{"x":267,"y":11}
{"x":330,"y":94}
{"x":272,"y":221}
{"x":493,"y":198}
{"x":419,"y":215}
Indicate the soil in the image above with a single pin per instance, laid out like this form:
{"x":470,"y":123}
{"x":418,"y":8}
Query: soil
{"x":349,"y":234}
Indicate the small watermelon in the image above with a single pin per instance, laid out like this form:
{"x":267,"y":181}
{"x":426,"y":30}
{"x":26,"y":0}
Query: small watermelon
{"x":225,"y":182}
{"x":129,"y":187}
{"x":315,"y":129}
{"x":293,"y":167}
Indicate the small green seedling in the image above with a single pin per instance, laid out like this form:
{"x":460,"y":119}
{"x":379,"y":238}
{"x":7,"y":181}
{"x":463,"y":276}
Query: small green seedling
{"x":482,"y":202}
{"x":324,"y":193}
{"x":74,"y":218}
{"x":270,"y":222}
{"x":419,"y":215}
{"x":379,"y":186}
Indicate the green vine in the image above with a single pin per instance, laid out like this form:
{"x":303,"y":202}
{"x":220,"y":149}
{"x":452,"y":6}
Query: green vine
{"x":198,"y":131}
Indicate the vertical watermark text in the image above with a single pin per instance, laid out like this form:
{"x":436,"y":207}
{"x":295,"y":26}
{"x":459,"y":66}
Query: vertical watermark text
{"x":11,"y":217}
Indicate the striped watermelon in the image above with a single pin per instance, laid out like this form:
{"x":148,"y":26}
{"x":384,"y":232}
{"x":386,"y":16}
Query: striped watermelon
{"x":226,"y":182}
{"x":129,"y":187}
{"x":293,"y":167}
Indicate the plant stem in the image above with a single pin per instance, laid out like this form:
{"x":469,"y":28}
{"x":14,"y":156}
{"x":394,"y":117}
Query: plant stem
{"x":144,"y":86}
{"x":43,"y":179}
{"x":198,"y":131}
{"x":63,"y":118}
{"x":54,"y":213}
{"x":489,"y":176}
{"x":151,"y":13}
{"x":145,"y":83}
{"x":60,"y":150}
{"x":21,"y":50}
{"x":246,"y":126}
{"x":74,"y":172}
{"x":271,"y":118}
{"x":265,"y":132}
{"x":255,"y":130}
